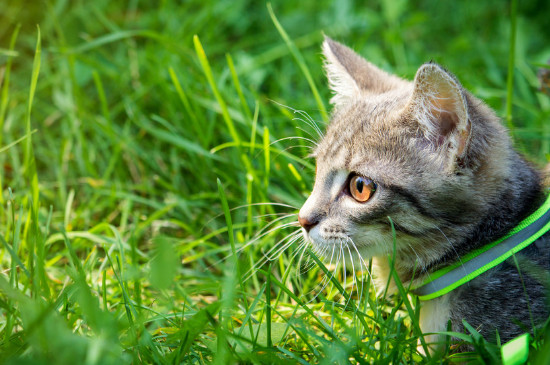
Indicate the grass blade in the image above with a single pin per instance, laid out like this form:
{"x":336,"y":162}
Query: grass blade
{"x":511,"y":63}
{"x":300,"y":61}
{"x":6,"y":83}
{"x":237,"y":85}
{"x":210,"y":77}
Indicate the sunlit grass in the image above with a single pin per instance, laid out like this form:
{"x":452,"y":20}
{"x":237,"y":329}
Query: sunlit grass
{"x":145,"y":155}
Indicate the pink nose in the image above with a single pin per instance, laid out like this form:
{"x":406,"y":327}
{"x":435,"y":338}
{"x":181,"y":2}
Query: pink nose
{"x":306,"y":223}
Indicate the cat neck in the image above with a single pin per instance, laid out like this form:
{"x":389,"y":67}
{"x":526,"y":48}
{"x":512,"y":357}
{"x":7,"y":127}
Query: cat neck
{"x":522,"y":195}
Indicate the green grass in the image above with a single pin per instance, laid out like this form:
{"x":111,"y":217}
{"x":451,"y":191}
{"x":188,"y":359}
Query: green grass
{"x":138,"y":143}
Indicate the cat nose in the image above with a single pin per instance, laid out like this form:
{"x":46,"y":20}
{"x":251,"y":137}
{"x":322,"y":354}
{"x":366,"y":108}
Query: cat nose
{"x":306,"y":223}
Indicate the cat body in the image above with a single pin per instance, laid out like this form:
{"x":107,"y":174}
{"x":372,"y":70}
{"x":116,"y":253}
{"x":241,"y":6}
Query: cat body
{"x":432,"y":161}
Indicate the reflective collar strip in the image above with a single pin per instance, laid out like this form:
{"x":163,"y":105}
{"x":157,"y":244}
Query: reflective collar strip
{"x":479,"y":261}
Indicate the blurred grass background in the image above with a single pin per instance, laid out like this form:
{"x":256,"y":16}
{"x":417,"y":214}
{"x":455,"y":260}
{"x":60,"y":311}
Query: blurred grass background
{"x":111,"y":217}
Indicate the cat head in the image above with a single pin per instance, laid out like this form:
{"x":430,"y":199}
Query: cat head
{"x":424,"y":157}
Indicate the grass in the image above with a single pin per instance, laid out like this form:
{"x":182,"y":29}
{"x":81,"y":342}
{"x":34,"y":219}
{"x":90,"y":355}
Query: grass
{"x":139,"y":143}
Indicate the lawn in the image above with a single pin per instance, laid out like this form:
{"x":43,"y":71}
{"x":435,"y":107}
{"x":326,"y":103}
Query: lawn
{"x":154,"y":155}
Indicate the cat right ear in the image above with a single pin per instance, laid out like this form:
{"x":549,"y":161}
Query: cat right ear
{"x":350,"y":76}
{"x":439,"y":105}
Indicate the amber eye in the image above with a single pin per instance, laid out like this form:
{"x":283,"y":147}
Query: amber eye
{"x":361,"y":188}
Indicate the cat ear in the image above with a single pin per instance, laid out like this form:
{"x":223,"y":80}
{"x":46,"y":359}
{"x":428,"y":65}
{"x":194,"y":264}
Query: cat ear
{"x":439,"y":105}
{"x":349,"y":75}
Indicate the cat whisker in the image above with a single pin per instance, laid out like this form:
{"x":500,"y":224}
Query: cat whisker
{"x":316,"y":143}
{"x":344,"y":265}
{"x":313,"y":126}
{"x":312,"y":122}
{"x":266,"y":204}
{"x":292,"y":237}
{"x":326,"y":280}
{"x":309,"y":265}
{"x":280,"y":152}
{"x":252,"y":205}
{"x":424,"y":269}
{"x":310,"y":148}
{"x":249,"y":243}
{"x":353,"y":282}
{"x":266,"y":230}
{"x":422,"y":266}
{"x":299,"y":266}
{"x":299,"y":251}
{"x":267,"y":215}
{"x":363,"y":267}
{"x":450,"y":243}
{"x":295,"y":137}
{"x":302,"y":247}
{"x":280,"y":246}
{"x":303,"y":113}
{"x":270,"y":227}
{"x":263,"y":232}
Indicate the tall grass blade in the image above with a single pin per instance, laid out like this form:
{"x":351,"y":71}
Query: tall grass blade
{"x":29,"y":161}
{"x":300,"y":61}
{"x":268,"y":307}
{"x":237,"y":85}
{"x":210,"y":77}
{"x":4,"y":97}
{"x":511,"y":63}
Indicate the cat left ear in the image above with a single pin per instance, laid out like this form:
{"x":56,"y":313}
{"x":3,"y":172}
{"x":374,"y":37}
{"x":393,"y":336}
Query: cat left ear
{"x":439,"y":105}
{"x":351,"y":76}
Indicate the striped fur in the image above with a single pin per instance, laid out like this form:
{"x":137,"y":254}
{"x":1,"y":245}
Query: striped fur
{"x":448,"y":180}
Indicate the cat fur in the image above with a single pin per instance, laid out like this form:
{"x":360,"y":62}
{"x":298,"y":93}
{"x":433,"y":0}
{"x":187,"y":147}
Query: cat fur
{"x":449,"y":179}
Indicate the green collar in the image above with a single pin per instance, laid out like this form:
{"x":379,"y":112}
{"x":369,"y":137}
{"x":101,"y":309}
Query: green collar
{"x":479,"y":261}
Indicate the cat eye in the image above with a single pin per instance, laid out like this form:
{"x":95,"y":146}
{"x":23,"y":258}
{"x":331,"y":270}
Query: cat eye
{"x":361,"y":188}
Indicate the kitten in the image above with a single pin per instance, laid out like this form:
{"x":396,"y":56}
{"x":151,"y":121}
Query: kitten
{"x":438,"y":162}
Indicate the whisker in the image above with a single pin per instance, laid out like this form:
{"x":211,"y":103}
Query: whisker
{"x":308,"y":119}
{"x":251,"y":205}
{"x":344,"y":262}
{"x":267,"y":215}
{"x":450,"y":244}
{"x":363,"y":265}
{"x":267,"y":228}
{"x":308,"y":266}
{"x":324,"y":282}
{"x":261,"y":234}
{"x":292,"y":237}
{"x":352,"y":272}
{"x":266,"y":203}
{"x":294,"y":137}
{"x":313,"y":138}
{"x":286,"y":149}
{"x":300,"y":259}
{"x":327,"y":279}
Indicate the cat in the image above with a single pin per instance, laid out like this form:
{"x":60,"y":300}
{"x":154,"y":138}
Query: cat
{"x":438,"y":162}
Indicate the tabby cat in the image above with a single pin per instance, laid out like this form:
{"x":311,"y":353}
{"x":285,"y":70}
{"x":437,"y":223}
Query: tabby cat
{"x":434,"y":162}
